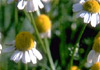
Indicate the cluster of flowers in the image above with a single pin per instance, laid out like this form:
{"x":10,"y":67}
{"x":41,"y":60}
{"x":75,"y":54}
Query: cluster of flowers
{"x":24,"y":45}
{"x":29,"y":5}
{"x":89,"y":10}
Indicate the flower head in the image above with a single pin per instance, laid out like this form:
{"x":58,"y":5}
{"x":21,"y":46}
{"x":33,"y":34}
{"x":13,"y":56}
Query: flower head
{"x":74,"y":68}
{"x":96,"y":66}
{"x":30,"y":5}
{"x":94,"y":55}
{"x":25,"y":49}
{"x":89,"y":10}
{"x":43,"y":24}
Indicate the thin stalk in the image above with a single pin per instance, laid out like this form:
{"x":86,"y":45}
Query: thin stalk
{"x":26,"y":67}
{"x":16,"y":21}
{"x":37,"y":33}
{"x":18,"y":66}
{"x":77,"y":41}
{"x":49,"y":54}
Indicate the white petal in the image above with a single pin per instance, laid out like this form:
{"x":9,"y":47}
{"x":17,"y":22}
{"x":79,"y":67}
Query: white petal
{"x":49,"y":34}
{"x":8,"y":49}
{"x":0,"y":46}
{"x":46,"y":34}
{"x":93,"y":20}
{"x":31,"y":6}
{"x":87,"y":17}
{"x":25,"y":58}
{"x":40,"y":4}
{"x":96,"y":58}
{"x":13,"y":57}
{"x":32,"y":57}
{"x":18,"y":56}
{"x":77,"y":7}
{"x":21,"y":4}
{"x":81,"y":14}
{"x":98,"y":18}
{"x":37,"y":53}
{"x":90,"y":56}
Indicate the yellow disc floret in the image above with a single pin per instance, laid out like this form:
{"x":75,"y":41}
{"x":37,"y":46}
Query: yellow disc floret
{"x":43,"y":23}
{"x":91,"y":6}
{"x":96,"y":45}
{"x":24,"y":41}
{"x":96,"y":66}
{"x":74,"y":68}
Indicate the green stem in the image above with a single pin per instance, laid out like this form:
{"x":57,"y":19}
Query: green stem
{"x":18,"y":66}
{"x":30,"y":17}
{"x":16,"y":21}
{"x":26,"y":67}
{"x":49,"y":54}
{"x":77,"y":41}
{"x":37,"y":33}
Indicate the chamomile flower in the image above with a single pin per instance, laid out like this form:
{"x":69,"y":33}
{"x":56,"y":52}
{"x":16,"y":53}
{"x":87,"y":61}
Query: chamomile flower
{"x":96,"y":66}
{"x":94,"y":54}
{"x":43,"y":24}
{"x":74,"y":68}
{"x":89,"y":10}
{"x":24,"y":48}
{"x":30,"y":5}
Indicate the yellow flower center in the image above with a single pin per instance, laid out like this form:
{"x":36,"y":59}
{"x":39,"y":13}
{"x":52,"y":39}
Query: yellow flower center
{"x":74,"y":68}
{"x":96,"y":45}
{"x":24,"y":41}
{"x":43,"y":23}
{"x":96,"y":66}
{"x":91,"y":6}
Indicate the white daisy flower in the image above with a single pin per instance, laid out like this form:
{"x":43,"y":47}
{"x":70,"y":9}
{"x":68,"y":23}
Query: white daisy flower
{"x":30,"y":5}
{"x":43,"y":24}
{"x":24,"y":48}
{"x":94,"y":54}
{"x":0,"y":48}
{"x":89,"y":10}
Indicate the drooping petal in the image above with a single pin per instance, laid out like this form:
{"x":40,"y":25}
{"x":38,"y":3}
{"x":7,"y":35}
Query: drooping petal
{"x":30,"y":6}
{"x":77,"y":7}
{"x":96,"y":58}
{"x":25,"y":58}
{"x":19,"y":57}
{"x":21,"y":5}
{"x":40,"y":4}
{"x":0,"y":47}
{"x":32,"y":57}
{"x":87,"y":17}
{"x":8,"y":49}
{"x":37,"y":53}
{"x":81,"y":14}
{"x":93,"y":20}
{"x":15,"y":55}
{"x":90,"y":56}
